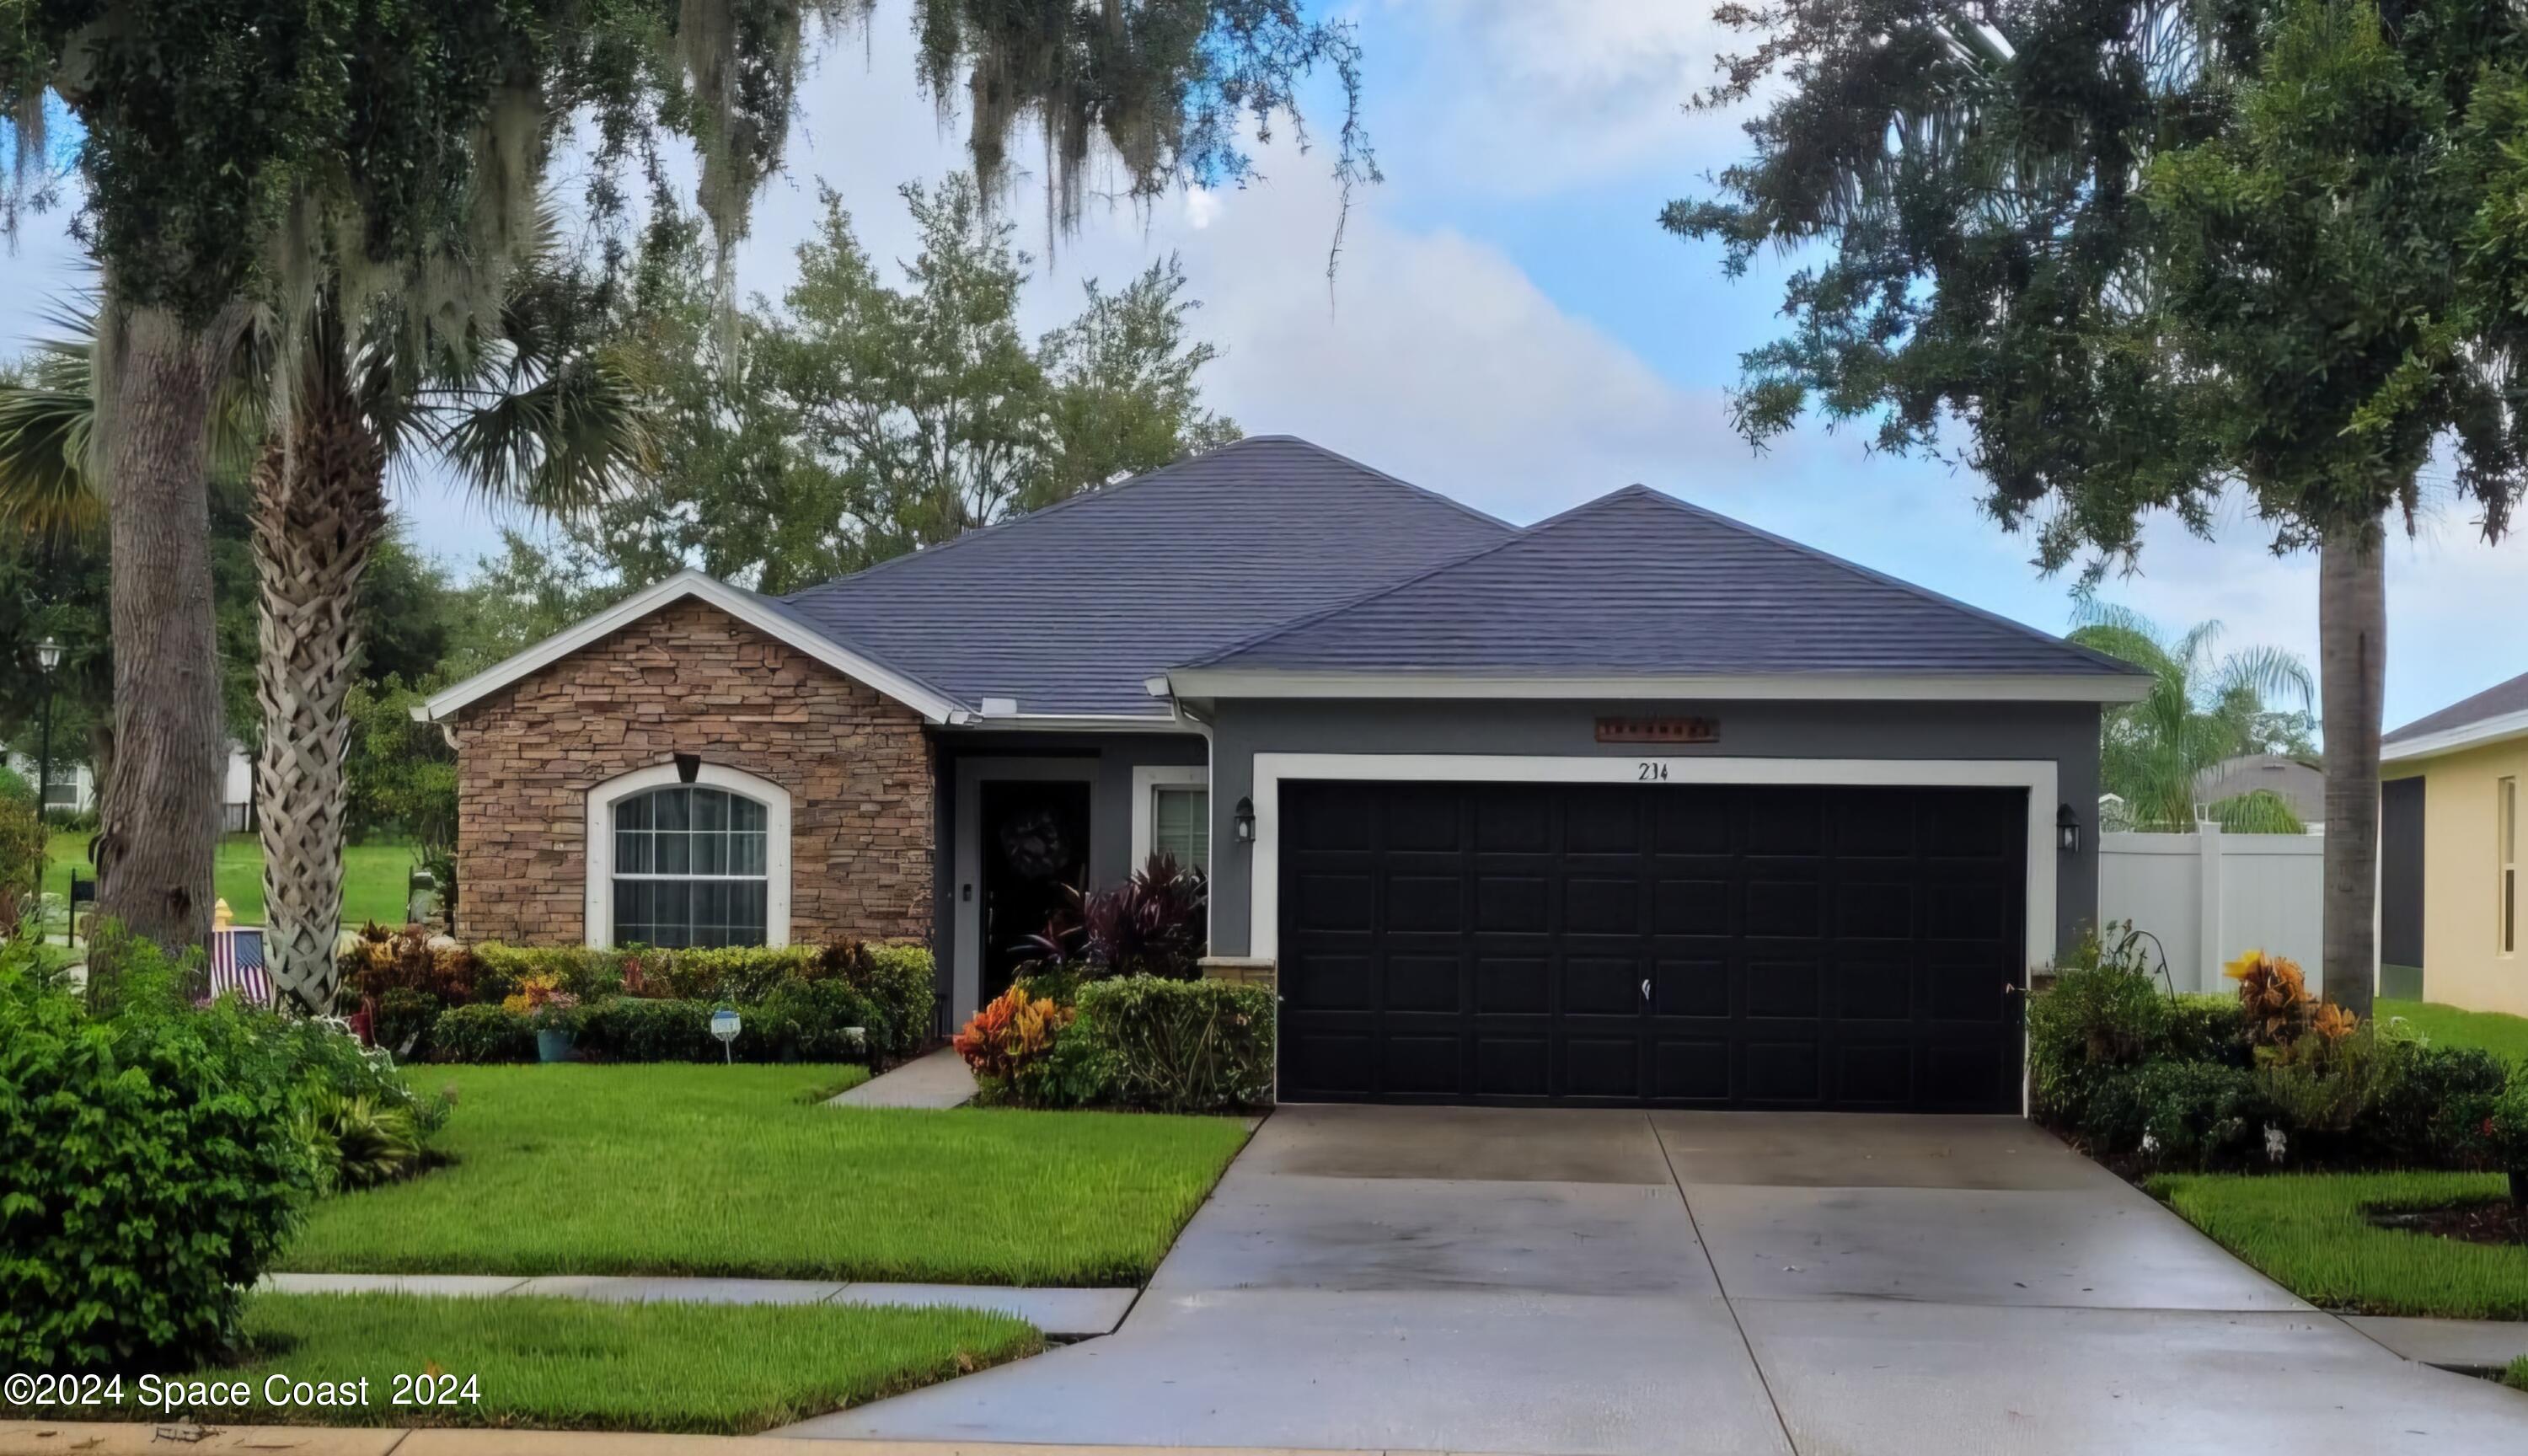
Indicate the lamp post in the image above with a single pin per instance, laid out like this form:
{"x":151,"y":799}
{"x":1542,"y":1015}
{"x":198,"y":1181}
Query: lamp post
{"x":48,"y":655}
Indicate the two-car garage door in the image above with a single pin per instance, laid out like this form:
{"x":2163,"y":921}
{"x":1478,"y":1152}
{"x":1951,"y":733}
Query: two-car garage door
{"x":1687,"y":945}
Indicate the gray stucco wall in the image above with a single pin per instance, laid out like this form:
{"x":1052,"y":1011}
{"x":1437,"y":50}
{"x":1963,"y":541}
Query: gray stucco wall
{"x":2065,"y":732}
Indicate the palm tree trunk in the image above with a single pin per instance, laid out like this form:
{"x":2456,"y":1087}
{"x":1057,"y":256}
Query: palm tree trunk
{"x":157,"y":377}
{"x":319,"y":506}
{"x":2352,"y":661}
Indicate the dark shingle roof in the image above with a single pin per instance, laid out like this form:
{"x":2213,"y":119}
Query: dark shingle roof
{"x":2498,"y":700}
{"x":1640,"y":583}
{"x":1071,"y":608}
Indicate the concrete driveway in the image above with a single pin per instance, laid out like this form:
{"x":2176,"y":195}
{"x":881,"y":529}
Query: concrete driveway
{"x":1629,"y":1285}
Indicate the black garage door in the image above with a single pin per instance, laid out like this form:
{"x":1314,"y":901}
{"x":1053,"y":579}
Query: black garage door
{"x":1686,"y":946}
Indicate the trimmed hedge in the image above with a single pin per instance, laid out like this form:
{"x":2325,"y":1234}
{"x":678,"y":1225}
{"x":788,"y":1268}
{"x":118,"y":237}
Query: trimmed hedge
{"x":482,"y":1034}
{"x":799,"y":1021}
{"x":645,"y":1005}
{"x":1178,"y":1046}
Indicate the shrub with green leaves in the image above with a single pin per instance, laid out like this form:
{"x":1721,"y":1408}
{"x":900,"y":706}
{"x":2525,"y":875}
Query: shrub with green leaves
{"x":482,"y":1034}
{"x":2093,"y":1023}
{"x":2431,"y":1105}
{"x":897,"y":981}
{"x":155,"y":1167}
{"x":21,"y":861}
{"x":2506,"y":1135}
{"x":1180,"y":1046}
{"x":2179,"y":1114}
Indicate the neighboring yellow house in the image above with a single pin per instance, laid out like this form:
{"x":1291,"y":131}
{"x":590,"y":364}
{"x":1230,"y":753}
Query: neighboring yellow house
{"x":2449,"y":842}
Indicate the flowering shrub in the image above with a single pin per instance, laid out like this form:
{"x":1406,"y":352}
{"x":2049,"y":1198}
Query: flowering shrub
{"x":1008,"y":1037}
{"x":2272,"y":996}
{"x":534,"y":993}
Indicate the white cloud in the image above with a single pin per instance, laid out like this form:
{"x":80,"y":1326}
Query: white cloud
{"x":1524,"y":98}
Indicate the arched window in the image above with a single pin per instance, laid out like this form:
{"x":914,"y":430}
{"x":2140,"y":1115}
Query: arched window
{"x":702,"y":863}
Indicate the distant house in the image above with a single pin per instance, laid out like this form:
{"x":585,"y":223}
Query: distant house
{"x":71,"y":789}
{"x":236,"y":790}
{"x":2449,"y":895}
{"x":2297,"y":782}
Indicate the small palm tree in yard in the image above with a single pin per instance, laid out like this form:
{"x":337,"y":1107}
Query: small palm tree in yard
{"x":2204,"y":707}
{"x":515,"y":407}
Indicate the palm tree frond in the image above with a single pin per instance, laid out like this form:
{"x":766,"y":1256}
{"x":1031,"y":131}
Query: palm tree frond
{"x":2268,"y":672}
{"x":44,"y":437}
{"x":2256,"y":811}
{"x":571,"y":439}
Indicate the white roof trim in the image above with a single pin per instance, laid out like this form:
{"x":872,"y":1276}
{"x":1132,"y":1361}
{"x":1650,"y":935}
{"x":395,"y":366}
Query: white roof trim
{"x":2464,"y":736}
{"x":1078,"y":722}
{"x":1210,"y":682}
{"x":743,"y":605}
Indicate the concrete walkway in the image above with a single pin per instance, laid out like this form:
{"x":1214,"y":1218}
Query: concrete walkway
{"x":142,"y":1438}
{"x":2470,"y":1345}
{"x":1060,"y":1313}
{"x":1629,"y":1285}
{"x":938,"y":1079}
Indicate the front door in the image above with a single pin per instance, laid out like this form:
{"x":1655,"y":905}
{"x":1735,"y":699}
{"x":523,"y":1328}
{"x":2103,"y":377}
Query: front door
{"x":1035,"y":850}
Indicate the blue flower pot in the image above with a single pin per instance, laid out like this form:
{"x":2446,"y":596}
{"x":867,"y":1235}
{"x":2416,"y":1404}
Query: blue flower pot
{"x":552,"y":1043}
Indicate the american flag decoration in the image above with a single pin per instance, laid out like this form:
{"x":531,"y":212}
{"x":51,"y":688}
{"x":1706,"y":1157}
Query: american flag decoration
{"x":237,"y":966}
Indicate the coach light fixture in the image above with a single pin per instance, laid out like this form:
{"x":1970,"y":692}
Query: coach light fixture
{"x":1244,"y":822}
{"x":2066,"y":830}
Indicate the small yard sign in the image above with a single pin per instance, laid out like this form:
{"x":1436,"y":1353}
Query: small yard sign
{"x":723,"y":1024}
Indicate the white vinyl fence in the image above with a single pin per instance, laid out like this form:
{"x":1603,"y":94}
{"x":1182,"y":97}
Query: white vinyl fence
{"x":2210,"y":896}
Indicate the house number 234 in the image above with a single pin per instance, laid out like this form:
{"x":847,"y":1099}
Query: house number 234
{"x":1653,"y":771}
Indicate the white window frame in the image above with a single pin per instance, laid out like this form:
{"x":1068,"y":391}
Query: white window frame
{"x":602,"y":798}
{"x":1147,"y":780}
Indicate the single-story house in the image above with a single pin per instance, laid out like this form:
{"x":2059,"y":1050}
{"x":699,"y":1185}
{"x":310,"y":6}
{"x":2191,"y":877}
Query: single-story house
{"x":2448,"y":850}
{"x":2297,"y":782}
{"x":1636,"y":805}
{"x":71,"y":786}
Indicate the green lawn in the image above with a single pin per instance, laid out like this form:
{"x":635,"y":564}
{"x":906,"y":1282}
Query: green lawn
{"x":700,"y":1169}
{"x":373,"y":875}
{"x":2307,"y":1231}
{"x":583,"y":1365}
{"x":2448,"y":1025}
{"x":2518,"y":1379}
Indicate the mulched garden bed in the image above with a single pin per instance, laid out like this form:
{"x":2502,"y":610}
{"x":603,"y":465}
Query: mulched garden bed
{"x":2499,"y":1221}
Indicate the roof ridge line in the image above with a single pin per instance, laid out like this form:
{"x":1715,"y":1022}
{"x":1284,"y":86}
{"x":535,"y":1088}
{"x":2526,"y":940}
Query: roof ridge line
{"x":1518,"y":534}
{"x":1395,"y":480}
{"x":2450,"y":708}
{"x":1914,"y":589}
{"x":1077,"y":497}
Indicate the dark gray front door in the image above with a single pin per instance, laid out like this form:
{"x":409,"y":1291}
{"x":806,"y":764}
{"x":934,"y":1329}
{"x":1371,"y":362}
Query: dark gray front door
{"x":1685,"y":946}
{"x":1035,"y":854}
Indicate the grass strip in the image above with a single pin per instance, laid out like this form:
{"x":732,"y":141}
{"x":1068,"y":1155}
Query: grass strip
{"x":2503,"y":1035}
{"x":572,"y":1365}
{"x":728,"y":1171}
{"x":2311,"y":1233}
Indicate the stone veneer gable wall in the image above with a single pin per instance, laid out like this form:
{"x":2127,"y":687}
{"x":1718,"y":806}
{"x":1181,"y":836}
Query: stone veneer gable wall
{"x":691,"y":679}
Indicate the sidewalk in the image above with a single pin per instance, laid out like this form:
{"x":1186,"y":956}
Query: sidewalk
{"x":934,"y":1081}
{"x":1058,"y":1313}
{"x":2469,"y":1346}
{"x":133,"y":1438}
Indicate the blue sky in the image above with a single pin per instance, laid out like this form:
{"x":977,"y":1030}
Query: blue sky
{"x":1510,"y":326}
